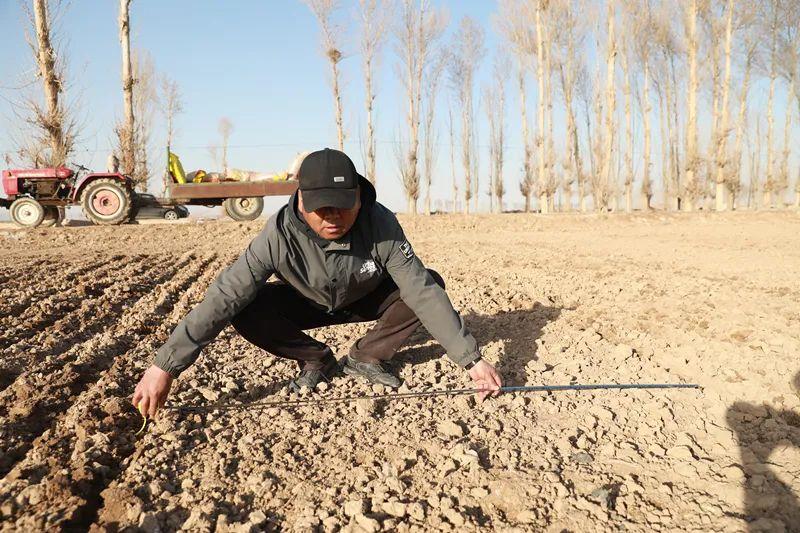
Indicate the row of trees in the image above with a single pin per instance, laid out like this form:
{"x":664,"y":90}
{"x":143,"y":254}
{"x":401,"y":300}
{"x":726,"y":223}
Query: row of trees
{"x":674,"y":66}
{"x":663,"y":105}
{"x":51,"y":124}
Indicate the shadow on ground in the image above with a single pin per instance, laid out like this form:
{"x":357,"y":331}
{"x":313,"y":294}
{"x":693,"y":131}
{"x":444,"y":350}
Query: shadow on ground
{"x":761,"y":429}
{"x":518,"y":329}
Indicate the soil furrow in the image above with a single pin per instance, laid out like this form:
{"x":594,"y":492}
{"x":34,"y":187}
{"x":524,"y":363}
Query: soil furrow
{"x":57,"y":331}
{"x":95,"y":434}
{"x":53,"y":288}
{"x":38,"y":395}
{"x":55,"y":305}
{"x":50,"y":279}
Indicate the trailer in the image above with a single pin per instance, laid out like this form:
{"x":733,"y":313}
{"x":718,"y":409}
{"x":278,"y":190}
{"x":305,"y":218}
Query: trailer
{"x":242,"y":200}
{"x":39,"y":196}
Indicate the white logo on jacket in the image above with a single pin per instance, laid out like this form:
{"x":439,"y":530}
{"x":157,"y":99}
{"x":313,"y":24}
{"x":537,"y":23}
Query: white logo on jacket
{"x":368,"y":267}
{"x":408,"y":252}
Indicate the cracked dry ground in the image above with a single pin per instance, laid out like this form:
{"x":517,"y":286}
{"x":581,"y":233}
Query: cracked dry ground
{"x":560,"y":299}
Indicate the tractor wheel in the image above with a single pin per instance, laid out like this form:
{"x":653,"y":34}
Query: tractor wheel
{"x":171,"y":215}
{"x":27,"y":212}
{"x":241,"y":209}
{"x":106,"y":202}
{"x":52,"y":216}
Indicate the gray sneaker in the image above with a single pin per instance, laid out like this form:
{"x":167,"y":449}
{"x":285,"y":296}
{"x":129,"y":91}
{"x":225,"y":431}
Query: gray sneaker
{"x":374,"y":372}
{"x":311,"y":378}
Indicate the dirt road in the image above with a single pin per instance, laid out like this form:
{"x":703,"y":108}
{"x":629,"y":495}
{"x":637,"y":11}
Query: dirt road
{"x":711,"y":299}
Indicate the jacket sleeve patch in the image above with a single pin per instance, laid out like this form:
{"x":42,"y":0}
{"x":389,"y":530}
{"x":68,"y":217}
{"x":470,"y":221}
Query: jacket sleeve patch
{"x":406,"y":249}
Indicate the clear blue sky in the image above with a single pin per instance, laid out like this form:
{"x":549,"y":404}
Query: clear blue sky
{"x":260,"y":64}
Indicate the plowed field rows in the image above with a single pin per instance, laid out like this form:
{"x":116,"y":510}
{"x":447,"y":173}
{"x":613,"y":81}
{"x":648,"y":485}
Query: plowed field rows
{"x":560,"y":299}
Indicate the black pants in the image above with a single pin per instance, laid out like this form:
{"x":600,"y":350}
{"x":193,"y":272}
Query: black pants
{"x":275,"y":321}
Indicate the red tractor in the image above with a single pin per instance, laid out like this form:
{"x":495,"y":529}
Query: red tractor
{"x":39,"y":196}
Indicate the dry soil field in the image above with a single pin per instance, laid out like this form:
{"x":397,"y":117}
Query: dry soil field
{"x":560,"y":299}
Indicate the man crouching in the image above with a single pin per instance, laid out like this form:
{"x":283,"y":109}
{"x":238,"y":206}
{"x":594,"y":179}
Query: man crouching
{"x":340,"y":257}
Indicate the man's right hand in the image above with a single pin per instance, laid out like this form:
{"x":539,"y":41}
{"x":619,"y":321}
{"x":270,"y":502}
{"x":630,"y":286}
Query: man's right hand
{"x":152,"y":391}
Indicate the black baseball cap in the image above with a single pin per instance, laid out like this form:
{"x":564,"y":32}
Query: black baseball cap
{"x":328,"y":178}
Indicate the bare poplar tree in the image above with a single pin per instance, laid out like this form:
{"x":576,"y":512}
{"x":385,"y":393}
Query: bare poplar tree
{"x":769,"y":15}
{"x":542,"y":76}
{"x":584,"y":92}
{"x":601,"y":192}
{"x":323,"y":10}
{"x":691,"y":187}
{"x":52,"y":135}
{"x":126,"y":130}
{"x":144,"y":103}
{"x":418,"y":28}
{"x":734,"y":173}
{"x":494,"y":106}
{"x":432,"y":78}
{"x":789,"y":69}
{"x":511,"y":22}
{"x":626,"y":44}
{"x":373,"y":17}
{"x":566,"y":42}
{"x":452,"y":137}
{"x":666,"y":50}
{"x":467,"y":52}
{"x":170,"y":104}
{"x":639,"y":16}
{"x":722,"y":122}
{"x":225,"y":127}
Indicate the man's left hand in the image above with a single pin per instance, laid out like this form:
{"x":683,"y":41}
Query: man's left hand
{"x":486,"y":379}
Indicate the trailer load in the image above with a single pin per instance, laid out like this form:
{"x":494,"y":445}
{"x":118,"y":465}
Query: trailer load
{"x":242,"y":200}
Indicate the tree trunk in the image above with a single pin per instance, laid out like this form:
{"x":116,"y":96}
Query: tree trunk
{"x":127,"y":143}
{"x":46,"y":63}
{"x":337,"y":102}
{"x":647,"y":186}
{"x":690,"y":185}
{"x":783,"y":179}
{"x":540,"y":64}
{"x":755,"y":169}
{"x":466,"y":154}
{"x":572,"y":130}
{"x":629,"y":178}
{"x":672,"y":122}
{"x":523,"y":111}
{"x":770,"y":181}
{"x":499,"y":187}
{"x":428,"y":198}
{"x":611,"y":54}
{"x":452,"y":157}
{"x":552,"y":186}
{"x":723,"y":121}
{"x":370,"y":101}
{"x":598,"y":192}
{"x":412,"y":206}
{"x":734,"y":178}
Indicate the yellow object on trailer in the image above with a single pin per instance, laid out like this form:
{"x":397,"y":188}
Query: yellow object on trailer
{"x":176,"y":169}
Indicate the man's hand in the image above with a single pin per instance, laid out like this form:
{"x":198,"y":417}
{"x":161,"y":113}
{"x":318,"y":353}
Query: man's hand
{"x":486,"y":378}
{"x":152,"y":391}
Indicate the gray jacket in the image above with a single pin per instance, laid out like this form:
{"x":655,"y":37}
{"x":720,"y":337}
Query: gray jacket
{"x":331,"y":273}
